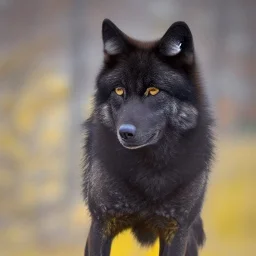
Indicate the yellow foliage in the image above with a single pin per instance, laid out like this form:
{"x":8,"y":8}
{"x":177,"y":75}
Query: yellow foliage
{"x":42,"y":92}
{"x":50,"y":191}
{"x":9,"y":145}
{"x":79,"y":216}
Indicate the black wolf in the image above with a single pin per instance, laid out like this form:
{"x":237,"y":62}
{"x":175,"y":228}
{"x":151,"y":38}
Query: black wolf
{"x":149,"y":144}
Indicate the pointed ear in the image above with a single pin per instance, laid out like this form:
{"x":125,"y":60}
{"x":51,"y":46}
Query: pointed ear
{"x":178,"y":41}
{"x":113,"y":38}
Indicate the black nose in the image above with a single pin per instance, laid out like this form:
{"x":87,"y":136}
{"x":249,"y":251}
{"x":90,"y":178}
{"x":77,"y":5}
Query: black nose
{"x":127,"y":131}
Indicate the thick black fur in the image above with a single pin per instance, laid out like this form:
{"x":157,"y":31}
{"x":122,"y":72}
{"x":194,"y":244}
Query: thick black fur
{"x":154,"y":182}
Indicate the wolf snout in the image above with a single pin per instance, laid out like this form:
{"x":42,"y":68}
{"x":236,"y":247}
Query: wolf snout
{"x":127,"y":131}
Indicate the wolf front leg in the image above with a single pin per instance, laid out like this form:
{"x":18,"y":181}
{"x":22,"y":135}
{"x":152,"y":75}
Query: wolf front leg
{"x":177,"y":247}
{"x":97,"y":243}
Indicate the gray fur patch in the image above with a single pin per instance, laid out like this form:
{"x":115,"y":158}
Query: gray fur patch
{"x":112,"y":47}
{"x":105,"y":115}
{"x":173,"y":49}
{"x":187,"y":116}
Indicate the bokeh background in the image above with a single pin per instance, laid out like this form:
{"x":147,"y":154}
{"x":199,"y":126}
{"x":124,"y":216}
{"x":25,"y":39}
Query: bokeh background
{"x":50,"y":52}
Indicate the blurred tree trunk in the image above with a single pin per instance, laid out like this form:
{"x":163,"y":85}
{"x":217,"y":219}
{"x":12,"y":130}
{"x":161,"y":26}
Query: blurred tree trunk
{"x":77,"y":91}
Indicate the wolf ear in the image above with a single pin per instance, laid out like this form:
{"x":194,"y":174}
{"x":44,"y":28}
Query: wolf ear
{"x":178,"y":41}
{"x":113,"y":38}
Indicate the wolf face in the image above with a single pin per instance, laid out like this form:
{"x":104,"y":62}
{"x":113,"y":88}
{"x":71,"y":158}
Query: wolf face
{"x":146,"y":89}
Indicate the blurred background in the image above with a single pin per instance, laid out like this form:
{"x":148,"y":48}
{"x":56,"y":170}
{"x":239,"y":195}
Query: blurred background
{"x":50,"y":52}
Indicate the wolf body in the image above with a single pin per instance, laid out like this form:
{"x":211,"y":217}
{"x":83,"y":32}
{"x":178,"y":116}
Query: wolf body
{"x":149,"y":144}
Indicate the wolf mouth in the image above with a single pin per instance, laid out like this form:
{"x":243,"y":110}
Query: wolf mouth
{"x":149,"y":141}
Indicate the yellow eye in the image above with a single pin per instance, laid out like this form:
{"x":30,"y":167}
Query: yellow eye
{"x":152,"y":91}
{"x":119,"y":91}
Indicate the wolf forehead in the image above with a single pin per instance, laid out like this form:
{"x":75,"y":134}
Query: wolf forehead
{"x":141,"y":70}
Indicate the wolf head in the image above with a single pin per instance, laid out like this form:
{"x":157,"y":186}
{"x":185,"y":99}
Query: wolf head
{"x":147,"y":91}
